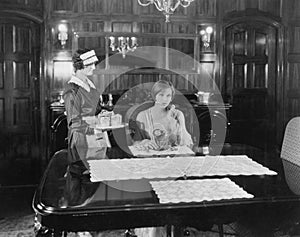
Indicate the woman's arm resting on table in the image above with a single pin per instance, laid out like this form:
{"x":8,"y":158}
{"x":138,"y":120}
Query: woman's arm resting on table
{"x":146,"y":144}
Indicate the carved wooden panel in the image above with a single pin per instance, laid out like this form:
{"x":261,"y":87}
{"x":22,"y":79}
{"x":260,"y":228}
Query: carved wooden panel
{"x":151,"y":41}
{"x":22,"y":39}
{"x":96,"y":43}
{"x":121,"y":27}
{"x":260,"y":71}
{"x":34,"y":3}
{"x":22,"y":111}
{"x":2,"y":111}
{"x":63,"y":5}
{"x":293,"y":107}
{"x":294,"y":6}
{"x":260,"y":43}
{"x":21,"y":145}
{"x":181,"y":28}
{"x":31,"y":3}
{"x":90,"y":6}
{"x":294,"y":35}
{"x":1,"y":75}
{"x":239,"y":76}
{"x":2,"y":32}
{"x":204,"y":7}
{"x":90,"y":26}
{"x":178,"y":60}
{"x":21,"y":75}
{"x":294,"y":82}
{"x":271,"y":6}
{"x":239,"y":39}
{"x":233,"y":5}
{"x":8,"y":41}
{"x":120,"y":6}
{"x":150,"y":27}
{"x":115,"y":83}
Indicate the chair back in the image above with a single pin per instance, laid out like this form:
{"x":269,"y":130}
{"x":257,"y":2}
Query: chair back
{"x":59,"y":133}
{"x":59,"y":160}
{"x":130,"y":118}
{"x":290,"y":150}
{"x":290,"y":154}
{"x":211,"y":124}
{"x":133,"y":111}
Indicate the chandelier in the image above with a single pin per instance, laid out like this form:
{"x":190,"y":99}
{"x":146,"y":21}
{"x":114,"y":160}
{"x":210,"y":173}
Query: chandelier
{"x":166,"y":6}
{"x":122,"y":44}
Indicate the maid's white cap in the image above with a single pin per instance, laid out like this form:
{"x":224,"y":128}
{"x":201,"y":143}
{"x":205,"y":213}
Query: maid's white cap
{"x":89,"y":57}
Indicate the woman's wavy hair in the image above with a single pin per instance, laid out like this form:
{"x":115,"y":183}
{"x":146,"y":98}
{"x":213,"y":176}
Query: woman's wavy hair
{"x":162,"y":85}
{"x":77,"y":61}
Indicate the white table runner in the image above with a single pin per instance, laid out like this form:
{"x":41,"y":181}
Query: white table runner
{"x":197,"y":190}
{"x":150,"y":168}
{"x":179,"y":150}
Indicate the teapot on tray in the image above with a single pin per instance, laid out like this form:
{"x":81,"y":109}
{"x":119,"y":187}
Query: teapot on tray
{"x":203,"y":97}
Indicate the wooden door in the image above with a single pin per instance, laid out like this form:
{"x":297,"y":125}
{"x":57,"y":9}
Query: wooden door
{"x":250,"y":59}
{"x":19,"y":101}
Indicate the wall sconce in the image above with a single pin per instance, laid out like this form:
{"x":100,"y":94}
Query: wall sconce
{"x":122,"y":44}
{"x":206,"y":35}
{"x":62,"y":34}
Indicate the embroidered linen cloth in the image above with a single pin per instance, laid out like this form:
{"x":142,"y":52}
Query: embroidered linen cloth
{"x":197,"y":190}
{"x":179,"y":150}
{"x":150,"y":168}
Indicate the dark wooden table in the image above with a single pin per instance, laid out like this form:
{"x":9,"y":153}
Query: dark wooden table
{"x":74,"y":203}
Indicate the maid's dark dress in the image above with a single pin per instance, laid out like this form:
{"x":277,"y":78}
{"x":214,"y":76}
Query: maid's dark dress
{"x":81,"y":100}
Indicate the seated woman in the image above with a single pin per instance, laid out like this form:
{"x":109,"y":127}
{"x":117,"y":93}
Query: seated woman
{"x":163,"y":126}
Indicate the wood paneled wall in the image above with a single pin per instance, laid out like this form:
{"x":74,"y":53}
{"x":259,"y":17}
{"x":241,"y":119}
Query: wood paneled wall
{"x":91,"y":21}
{"x":291,"y":19}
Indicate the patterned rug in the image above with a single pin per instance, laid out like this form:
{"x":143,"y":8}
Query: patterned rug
{"x":22,"y":226}
{"x":17,"y":226}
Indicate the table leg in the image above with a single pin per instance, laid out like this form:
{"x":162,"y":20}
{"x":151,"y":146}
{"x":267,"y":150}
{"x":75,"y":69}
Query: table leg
{"x":221,"y":230}
{"x":174,"y":231}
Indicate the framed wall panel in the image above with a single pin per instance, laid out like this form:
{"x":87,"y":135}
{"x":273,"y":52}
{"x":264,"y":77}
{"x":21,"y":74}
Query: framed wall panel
{"x":21,"y":75}
{"x":22,"y":39}
{"x":184,"y":59}
{"x":2,"y":111}
{"x":22,"y":111}
{"x":294,"y":35}
{"x":2,"y":75}
{"x":62,"y":72}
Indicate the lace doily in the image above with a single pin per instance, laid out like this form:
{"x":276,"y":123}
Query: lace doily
{"x":197,"y":190}
{"x":150,"y":168}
